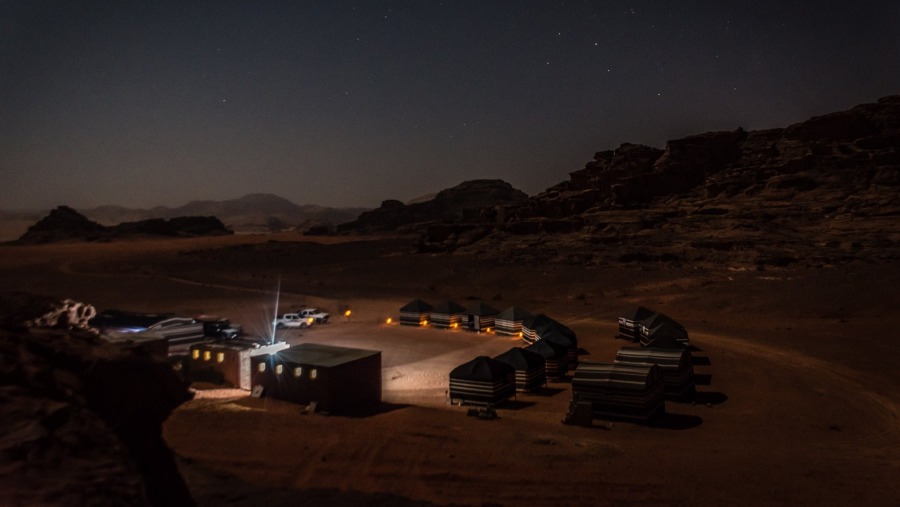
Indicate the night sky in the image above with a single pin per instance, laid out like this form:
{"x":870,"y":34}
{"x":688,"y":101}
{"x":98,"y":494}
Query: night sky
{"x":345,"y":103}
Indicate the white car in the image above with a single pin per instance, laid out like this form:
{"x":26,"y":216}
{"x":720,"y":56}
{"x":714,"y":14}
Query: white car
{"x":318,"y":316}
{"x":294,"y":320}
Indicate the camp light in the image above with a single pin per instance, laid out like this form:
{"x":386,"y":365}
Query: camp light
{"x":389,"y":320}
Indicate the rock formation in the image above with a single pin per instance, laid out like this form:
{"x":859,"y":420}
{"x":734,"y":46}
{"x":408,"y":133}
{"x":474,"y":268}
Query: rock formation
{"x":81,"y":419}
{"x":462,"y":203}
{"x":819,"y":192}
{"x":66,"y":224}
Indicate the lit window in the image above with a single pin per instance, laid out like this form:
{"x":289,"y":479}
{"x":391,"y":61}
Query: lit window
{"x":278,"y":369}
{"x":206,"y":355}
{"x":298,"y":371}
{"x":261,"y":367}
{"x":220,"y":357}
{"x":195,"y":353}
{"x":313,"y":373}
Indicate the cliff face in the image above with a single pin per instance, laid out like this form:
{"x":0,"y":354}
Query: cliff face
{"x":819,"y":192}
{"x":81,"y":419}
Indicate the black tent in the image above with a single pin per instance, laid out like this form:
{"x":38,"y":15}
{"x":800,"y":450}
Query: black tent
{"x":479,"y":317}
{"x":531,"y":369}
{"x":447,"y":314}
{"x":542,"y":327}
{"x":629,"y":323}
{"x":482,"y":381}
{"x":415,"y":313}
{"x":661,"y":325}
{"x":618,"y":391}
{"x":675,"y":366}
{"x":509,"y":321}
{"x":555,"y":363}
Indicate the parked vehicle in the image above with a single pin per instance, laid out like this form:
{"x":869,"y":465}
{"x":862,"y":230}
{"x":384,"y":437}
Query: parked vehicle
{"x":219,"y":329}
{"x":294,"y":321}
{"x":180,"y":332}
{"x":318,"y":316}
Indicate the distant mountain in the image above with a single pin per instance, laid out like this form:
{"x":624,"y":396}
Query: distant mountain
{"x":251,"y":213}
{"x":466,"y":201}
{"x":66,"y":224}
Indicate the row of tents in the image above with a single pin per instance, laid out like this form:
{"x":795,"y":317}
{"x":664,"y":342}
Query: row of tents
{"x":550,"y":350}
{"x":513,"y":321}
{"x":637,"y":383}
{"x":478,"y":316}
{"x":489,"y":381}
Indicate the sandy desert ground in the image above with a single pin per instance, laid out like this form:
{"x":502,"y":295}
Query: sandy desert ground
{"x":798,"y":401}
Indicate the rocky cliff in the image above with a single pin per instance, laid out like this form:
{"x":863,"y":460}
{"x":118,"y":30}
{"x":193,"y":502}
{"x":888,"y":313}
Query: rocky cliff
{"x":81,"y":419}
{"x":465,"y":202}
{"x":66,"y":224}
{"x":820,"y":192}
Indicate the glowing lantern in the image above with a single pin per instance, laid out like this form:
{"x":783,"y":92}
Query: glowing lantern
{"x":206,"y":355}
{"x":454,"y":325}
{"x":388,"y":321}
{"x":220,"y":357}
{"x":195,"y":353}
{"x":347,"y":313}
{"x":488,"y":330}
{"x":423,"y":323}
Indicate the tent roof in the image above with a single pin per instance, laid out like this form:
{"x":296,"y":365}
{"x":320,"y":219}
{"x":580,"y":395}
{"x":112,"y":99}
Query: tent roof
{"x":514,"y":313}
{"x":664,"y":341}
{"x":481,"y":309}
{"x":657,"y":319}
{"x":547,"y":349}
{"x":416,"y":305}
{"x":654,"y":355}
{"x":521,"y":359}
{"x":667,"y":329}
{"x":482,"y":368}
{"x":624,"y":377}
{"x":448,"y":307}
{"x":545,"y":327}
{"x":638,"y":314}
{"x":559,"y":335}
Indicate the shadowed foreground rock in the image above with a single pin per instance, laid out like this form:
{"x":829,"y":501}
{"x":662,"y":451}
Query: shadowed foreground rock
{"x":82,"y":419}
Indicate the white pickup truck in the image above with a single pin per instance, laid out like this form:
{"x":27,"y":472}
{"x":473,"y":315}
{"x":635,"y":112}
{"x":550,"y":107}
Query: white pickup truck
{"x":294,"y":320}
{"x":318,"y":316}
